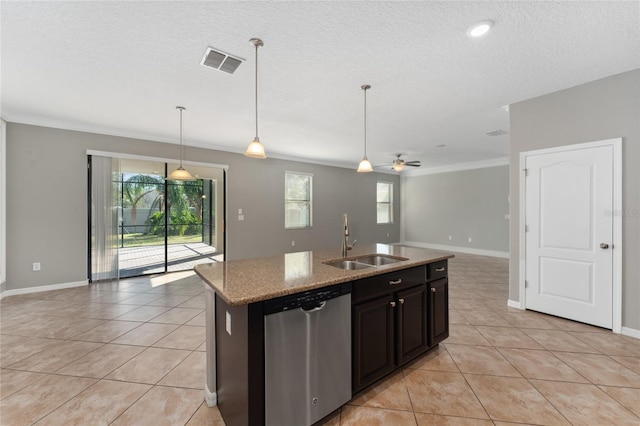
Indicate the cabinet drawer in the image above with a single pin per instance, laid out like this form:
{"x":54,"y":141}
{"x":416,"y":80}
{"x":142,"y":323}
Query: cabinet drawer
{"x":437,"y":270}
{"x":368,"y":288}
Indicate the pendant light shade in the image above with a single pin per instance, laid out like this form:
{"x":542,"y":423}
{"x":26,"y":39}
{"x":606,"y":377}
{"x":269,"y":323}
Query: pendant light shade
{"x":365,"y":165}
{"x":256,"y":149}
{"x":180,"y":173}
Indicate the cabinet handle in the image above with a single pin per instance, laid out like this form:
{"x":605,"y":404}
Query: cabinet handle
{"x":433,"y":289}
{"x":396,"y":282}
{"x":393,"y":304}
{"x":401,"y":301}
{"x":440,"y":269}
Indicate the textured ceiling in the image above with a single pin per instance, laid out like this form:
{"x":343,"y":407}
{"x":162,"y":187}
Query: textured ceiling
{"x":121,"y":68}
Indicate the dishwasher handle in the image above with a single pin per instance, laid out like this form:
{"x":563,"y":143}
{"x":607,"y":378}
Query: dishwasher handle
{"x":313,"y":307}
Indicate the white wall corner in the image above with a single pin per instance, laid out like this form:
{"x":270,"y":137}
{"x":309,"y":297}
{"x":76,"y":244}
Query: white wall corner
{"x":3,"y":202}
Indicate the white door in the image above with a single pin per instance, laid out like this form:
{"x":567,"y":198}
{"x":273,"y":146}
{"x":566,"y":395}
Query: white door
{"x":569,"y":234}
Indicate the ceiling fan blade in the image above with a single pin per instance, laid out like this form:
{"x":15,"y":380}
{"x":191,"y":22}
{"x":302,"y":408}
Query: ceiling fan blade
{"x":412,"y":162}
{"x":412,"y":165}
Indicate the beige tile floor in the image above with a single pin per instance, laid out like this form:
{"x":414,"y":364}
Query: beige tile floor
{"x":133,"y":354}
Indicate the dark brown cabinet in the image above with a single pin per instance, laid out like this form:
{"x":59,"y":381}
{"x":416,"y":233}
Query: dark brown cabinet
{"x":438,"y":297}
{"x":411,"y":321}
{"x":389,"y":323}
{"x":396,"y":317}
{"x":438,"y":311}
{"x":373,"y":340}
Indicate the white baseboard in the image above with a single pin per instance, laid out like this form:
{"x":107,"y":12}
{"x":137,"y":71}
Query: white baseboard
{"x":514,"y":304}
{"x":631,"y":332}
{"x":40,"y":288}
{"x":468,"y":250}
{"x":211,"y":398}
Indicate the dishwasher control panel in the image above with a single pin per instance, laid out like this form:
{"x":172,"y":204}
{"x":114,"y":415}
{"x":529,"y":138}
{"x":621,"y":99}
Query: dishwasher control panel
{"x":305,"y":299}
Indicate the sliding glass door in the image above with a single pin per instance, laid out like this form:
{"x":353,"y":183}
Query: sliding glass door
{"x":162,"y":226}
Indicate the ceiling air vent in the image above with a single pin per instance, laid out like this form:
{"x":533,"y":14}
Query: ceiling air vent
{"x":217,"y":59}
{"x":498,"y":132}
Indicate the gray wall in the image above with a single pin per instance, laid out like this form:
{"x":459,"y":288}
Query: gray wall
{"x":603,"y":109}
{"x":468,"y":203}
{"x":47,"y":202}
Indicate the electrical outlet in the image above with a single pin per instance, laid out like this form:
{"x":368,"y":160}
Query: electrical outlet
{"x":240,"y":217}
{"x":293,"y":243}
{"x":469,"y":239}
{"x":450,"y":238}
{"x":36,"y":266}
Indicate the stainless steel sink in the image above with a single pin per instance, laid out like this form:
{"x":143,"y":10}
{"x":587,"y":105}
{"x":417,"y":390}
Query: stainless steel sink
{"x":349,"y":265}
{"x":363,"y":262}
{"x":379,"y":259}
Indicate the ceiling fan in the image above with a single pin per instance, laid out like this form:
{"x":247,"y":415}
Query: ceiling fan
{"x":399,"y":164}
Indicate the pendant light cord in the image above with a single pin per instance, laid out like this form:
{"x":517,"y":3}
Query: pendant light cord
{"x":181,"y":146}
{"x":181,"y":108}
{"x":257,"y":90}
{"x":365,"y":122}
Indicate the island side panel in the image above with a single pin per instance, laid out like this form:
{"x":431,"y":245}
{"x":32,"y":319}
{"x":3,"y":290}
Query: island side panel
{"x":210,"y":386}
{"x":240,"y":363}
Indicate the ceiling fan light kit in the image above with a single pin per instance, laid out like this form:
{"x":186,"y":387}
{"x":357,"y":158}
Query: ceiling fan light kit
{"x":399,"y":164}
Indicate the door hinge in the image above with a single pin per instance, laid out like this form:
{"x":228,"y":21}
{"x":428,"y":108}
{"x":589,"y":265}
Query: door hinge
{"x":526,"y":284}
{"x":526,"y":228}
{"x":526,"y":172}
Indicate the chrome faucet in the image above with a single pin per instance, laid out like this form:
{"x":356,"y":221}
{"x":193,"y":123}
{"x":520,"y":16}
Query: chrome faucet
{"x":345,"y":237}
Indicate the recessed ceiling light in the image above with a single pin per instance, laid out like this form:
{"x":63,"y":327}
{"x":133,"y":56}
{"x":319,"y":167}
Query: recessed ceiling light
{"x":479,"y":29}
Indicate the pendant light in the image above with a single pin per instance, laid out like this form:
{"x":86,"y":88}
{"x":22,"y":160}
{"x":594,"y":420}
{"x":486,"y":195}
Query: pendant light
{"x":180,"y":173}
{"x":365,"y":165}
{"x":256,"y":149}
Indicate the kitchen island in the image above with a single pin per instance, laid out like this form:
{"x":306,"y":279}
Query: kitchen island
{"x":398,"y":304}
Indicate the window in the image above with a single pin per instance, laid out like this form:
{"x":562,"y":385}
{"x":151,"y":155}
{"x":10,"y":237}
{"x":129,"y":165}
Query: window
{"x":384,"y":202}
{"x":297,"y":200}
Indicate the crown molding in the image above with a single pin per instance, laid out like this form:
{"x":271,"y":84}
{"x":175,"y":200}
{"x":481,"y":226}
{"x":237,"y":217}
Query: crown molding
{"x":495,"y":162}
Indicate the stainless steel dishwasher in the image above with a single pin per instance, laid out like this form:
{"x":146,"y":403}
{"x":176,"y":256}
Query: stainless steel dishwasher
{"x":307,"y":355}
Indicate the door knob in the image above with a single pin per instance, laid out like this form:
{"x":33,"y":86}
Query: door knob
{"x":393,"y":304}
{"x":604,"y":246}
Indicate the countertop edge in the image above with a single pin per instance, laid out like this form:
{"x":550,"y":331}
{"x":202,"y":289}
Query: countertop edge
{"x":348,"y":276}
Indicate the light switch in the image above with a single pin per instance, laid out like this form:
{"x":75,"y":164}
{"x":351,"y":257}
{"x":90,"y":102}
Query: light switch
{"x":239,"y":211}
{"x":240,"y":217}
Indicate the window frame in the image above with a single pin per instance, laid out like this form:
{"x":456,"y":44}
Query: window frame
{"x":310,"y":200}
{"x":389,"y":203}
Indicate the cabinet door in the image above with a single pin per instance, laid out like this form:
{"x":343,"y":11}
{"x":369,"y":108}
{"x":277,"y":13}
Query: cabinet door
{"x":372,"y":341}
{"x":438,"y":311}
{"x":411,"y":327}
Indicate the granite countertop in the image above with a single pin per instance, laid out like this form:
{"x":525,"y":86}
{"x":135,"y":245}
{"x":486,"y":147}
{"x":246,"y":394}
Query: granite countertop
{"x":240,"y":282}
